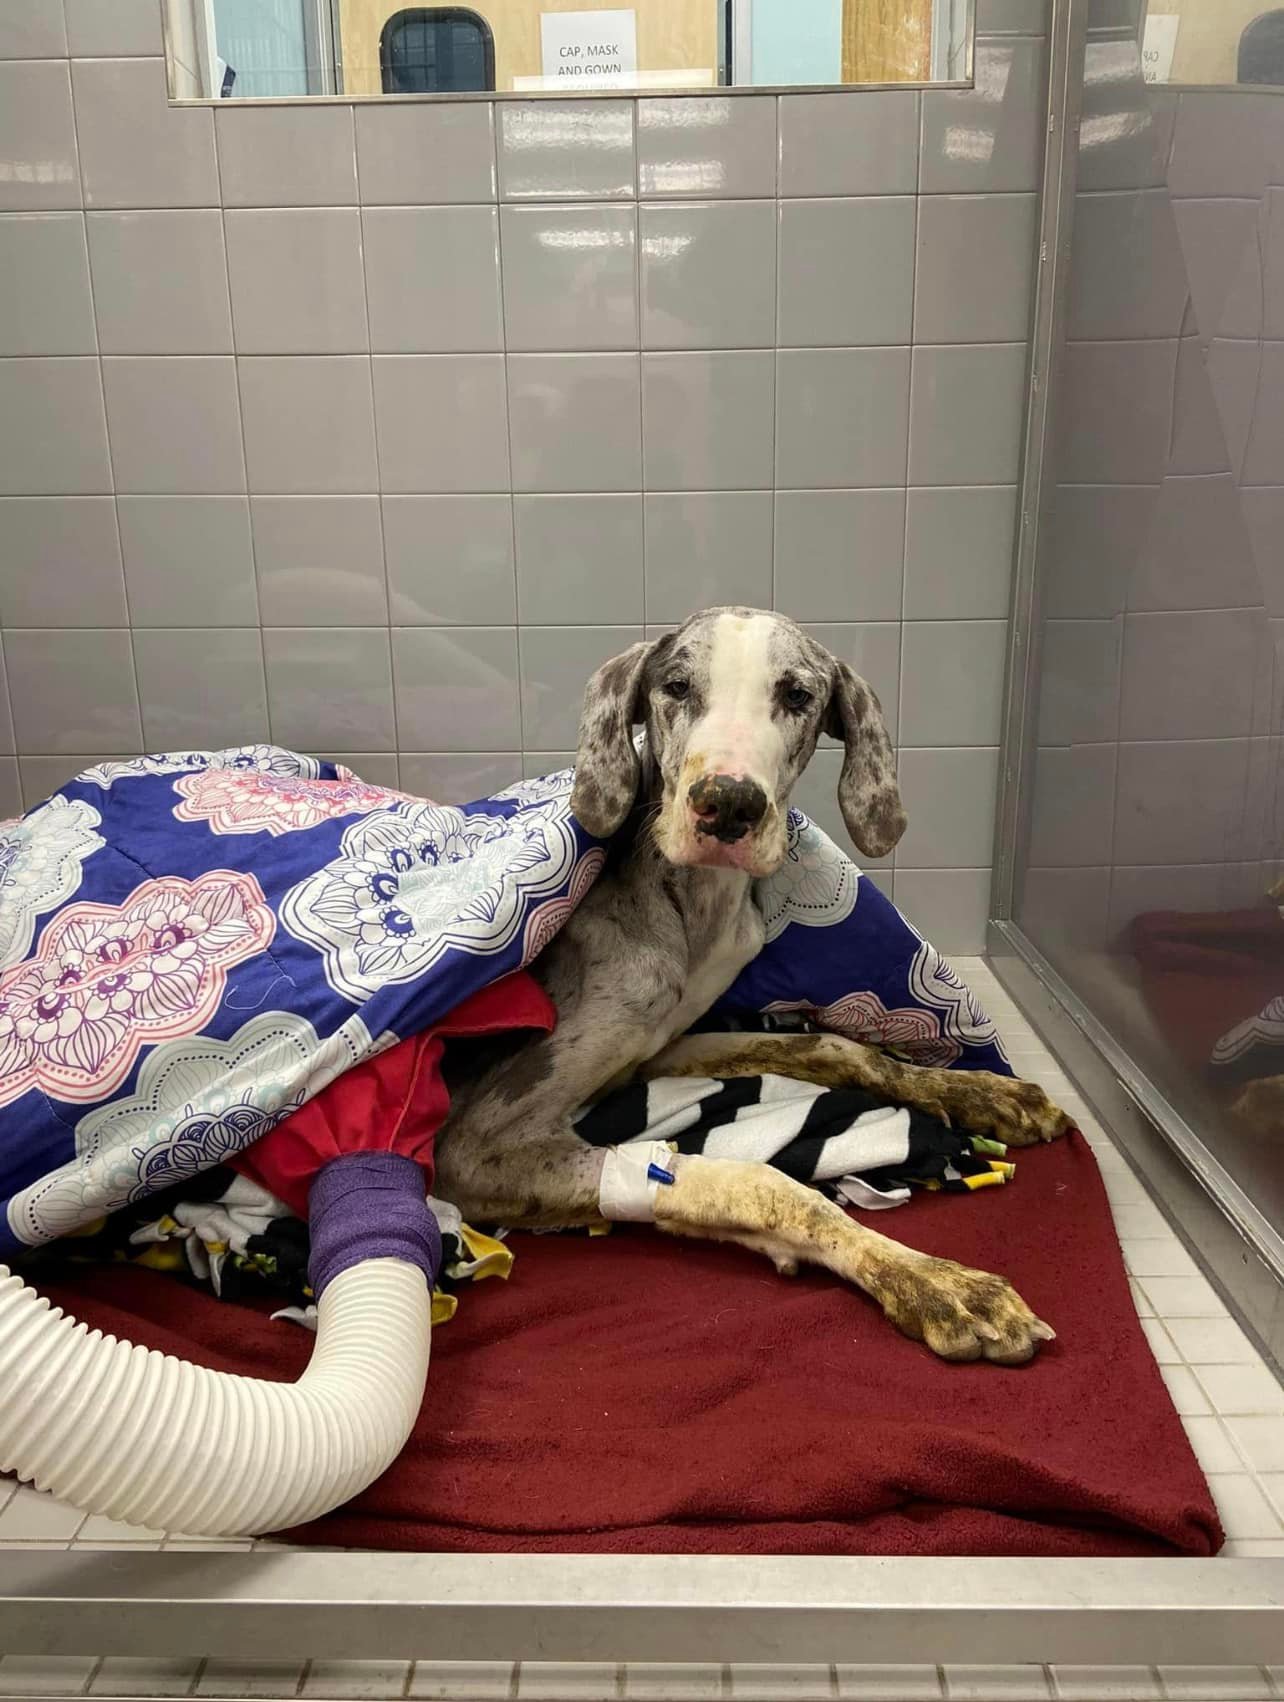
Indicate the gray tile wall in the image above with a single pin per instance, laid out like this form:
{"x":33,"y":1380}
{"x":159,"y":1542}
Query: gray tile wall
{"x":1159,"y":781}
{"x":373,"y":429}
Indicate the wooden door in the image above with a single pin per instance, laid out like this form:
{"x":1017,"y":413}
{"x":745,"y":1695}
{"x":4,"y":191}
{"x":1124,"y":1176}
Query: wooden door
{"x":887,"y":41}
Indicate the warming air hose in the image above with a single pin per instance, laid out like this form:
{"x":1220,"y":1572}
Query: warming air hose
{"x":144,"y":1437}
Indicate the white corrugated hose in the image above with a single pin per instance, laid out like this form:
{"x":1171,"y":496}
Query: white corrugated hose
{"x":140,"y":1436}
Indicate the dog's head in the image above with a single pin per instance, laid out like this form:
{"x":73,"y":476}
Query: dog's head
{"x":733,"y":704}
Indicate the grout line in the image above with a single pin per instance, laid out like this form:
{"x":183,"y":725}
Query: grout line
{"x":777,"y":261}
{"x":909,"y":428}
{"x":374,"y":427}
{"x":637,"y":324}
{"x":111,"y":459}
{"x":240,"y":432}
{"x":508,"y":438}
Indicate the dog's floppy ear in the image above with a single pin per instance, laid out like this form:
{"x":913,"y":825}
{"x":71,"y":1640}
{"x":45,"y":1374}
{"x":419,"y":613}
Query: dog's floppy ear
{"x":607,"y":769}
{"x":868,"y":794}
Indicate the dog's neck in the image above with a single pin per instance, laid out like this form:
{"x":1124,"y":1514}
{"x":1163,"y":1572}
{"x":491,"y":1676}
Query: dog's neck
{"x":710,"y":902}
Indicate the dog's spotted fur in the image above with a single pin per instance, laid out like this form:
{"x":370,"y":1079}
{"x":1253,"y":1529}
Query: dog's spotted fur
{"x":735,"y":696}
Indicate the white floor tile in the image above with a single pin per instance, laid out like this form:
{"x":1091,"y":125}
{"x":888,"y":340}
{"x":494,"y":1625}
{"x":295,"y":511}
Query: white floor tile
{"x":97,"y":1529}
{"x":1093,"y":1133}
{"x":208,"y":1545}
{"x":561,"y":1681}
{"x":1273,"y":1484}
{"x":671,"y":1681}
{"x":1241,"y":1389}
{"x":79,"y":1547}
{"x":1161,"y":1343}
{"x":1213,"y":1447}
{"x":1187,"y":1395}
{"x":1123,"y":1188}
{"x":1211,"y":1341}
{"x":1112,"y":1158}
{"x":1183,"y":1297}
{"x":223,"y":1677}
{"x":1140,"y":1299}
{"x":1105,"y":1684}
{"x":33,"y":1517}
{"x":1260,"y":1440}
{"x":462,"y":1681}
{"x":1256,"y":1548}
{"x":762,"y":1683}
{"x":1138,"y":1220}
{"x":1244,"y":1509}
{"x":888,"y":1684}
{"x":996,"y":1684}
{"x":351,"y":1680}
{"x":131,"y":1675}
{"x":1158,"y":1256}
{"x":45,"y":1675}
{"x":1208,"y":1684}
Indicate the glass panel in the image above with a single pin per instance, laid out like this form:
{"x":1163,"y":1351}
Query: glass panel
{"x":1150,"y":871}
{"x":233,"y":49}
{"x":263,"y":44}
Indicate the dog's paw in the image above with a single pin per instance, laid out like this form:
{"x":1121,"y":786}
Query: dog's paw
{"x":1018,"y":1113}
{"x":959,"y":1313}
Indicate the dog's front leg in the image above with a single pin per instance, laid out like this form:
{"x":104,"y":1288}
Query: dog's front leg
{"x":1017,"y":1112}
{"x":957,"y":1312}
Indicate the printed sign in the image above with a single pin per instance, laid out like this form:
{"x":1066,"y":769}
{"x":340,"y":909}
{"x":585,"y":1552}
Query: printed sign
{"x":600,"y":48}
{"x":1158,"y":47}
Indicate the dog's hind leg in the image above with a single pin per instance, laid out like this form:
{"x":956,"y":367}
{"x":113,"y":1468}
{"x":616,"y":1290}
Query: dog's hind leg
{"x":521,"y":1179}
{"x":1016,"y":1112}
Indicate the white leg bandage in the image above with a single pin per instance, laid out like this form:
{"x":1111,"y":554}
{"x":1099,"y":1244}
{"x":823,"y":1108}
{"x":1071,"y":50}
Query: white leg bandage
{"x":631,"y":1178}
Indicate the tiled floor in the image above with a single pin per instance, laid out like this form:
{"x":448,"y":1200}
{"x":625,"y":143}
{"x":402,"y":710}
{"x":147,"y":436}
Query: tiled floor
{"x":1230,"y":1402}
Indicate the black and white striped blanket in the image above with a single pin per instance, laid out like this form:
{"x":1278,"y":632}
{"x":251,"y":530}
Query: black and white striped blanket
{"x":862,"y":1149}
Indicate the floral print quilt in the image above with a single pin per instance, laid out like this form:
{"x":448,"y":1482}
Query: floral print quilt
{"x":193,"y":944}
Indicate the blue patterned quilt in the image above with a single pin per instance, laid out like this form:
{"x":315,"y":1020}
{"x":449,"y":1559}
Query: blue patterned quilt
{"x":193,"y":944}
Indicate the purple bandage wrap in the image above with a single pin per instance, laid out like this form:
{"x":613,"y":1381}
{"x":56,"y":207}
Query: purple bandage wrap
{"x":370,"y":1205}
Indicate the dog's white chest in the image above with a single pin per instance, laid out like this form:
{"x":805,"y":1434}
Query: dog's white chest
{"x":713,"y":971}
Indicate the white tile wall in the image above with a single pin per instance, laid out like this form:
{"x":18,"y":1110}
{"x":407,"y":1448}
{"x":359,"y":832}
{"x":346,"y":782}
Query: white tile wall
{"x":318,"y":307}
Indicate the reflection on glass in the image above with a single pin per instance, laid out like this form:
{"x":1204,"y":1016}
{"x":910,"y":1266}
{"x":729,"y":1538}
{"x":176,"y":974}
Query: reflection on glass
{"x":1214,"y":41}
{"x":266,"y":49}
{"x":1151,"y":866}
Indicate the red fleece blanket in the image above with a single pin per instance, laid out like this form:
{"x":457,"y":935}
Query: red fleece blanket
{"x":395,"y":1101}
{"x":632,"y":1393}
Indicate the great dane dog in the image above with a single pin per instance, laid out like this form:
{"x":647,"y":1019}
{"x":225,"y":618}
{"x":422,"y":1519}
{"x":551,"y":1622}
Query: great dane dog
{"x":732,"y":704}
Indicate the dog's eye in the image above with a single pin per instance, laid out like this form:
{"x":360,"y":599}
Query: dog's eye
{"x":796,"y":697}
{"x":678,"y":690}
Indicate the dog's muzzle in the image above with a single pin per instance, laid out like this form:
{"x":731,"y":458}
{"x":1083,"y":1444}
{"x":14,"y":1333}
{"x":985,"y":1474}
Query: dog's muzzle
{"x":726,"y":808}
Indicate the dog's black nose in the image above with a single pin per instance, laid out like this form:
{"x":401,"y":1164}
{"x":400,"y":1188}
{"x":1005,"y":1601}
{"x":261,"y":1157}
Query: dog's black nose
{"x":727,"y":808}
